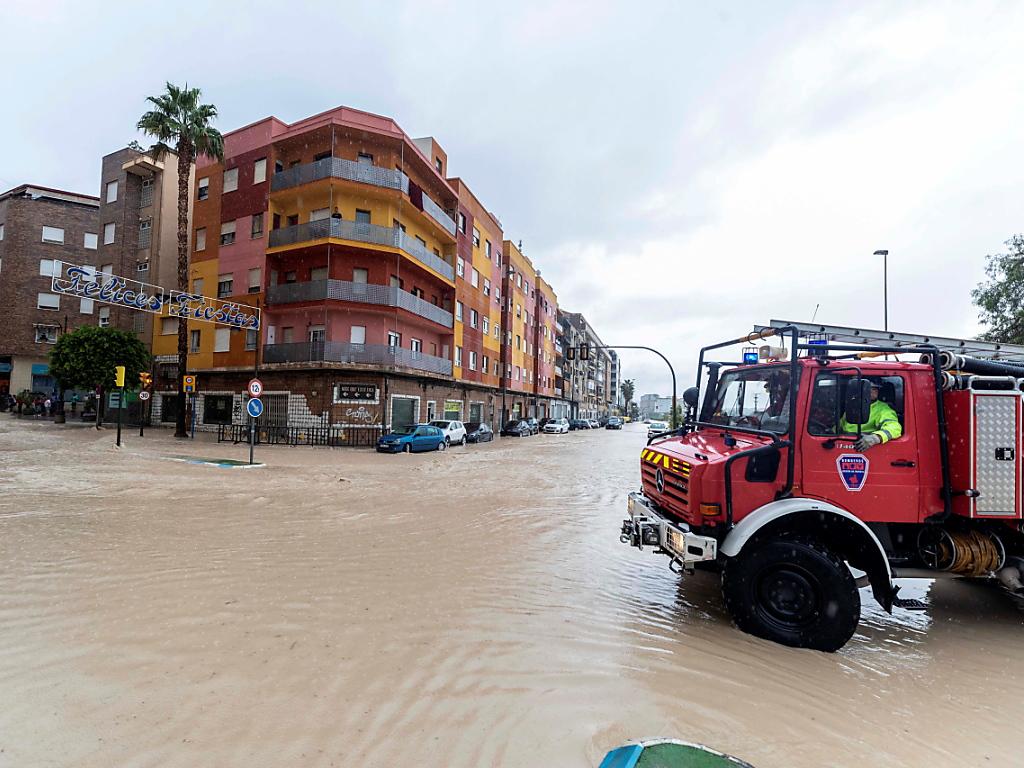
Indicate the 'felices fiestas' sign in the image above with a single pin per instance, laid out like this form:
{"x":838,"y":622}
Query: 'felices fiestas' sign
{"x":87,"y":283}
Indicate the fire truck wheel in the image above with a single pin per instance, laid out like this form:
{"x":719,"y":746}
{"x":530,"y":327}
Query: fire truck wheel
{"x":793,"y":591}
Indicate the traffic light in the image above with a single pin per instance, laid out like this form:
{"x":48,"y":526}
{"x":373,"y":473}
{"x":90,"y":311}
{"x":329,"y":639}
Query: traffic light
{"x":584,"y":351}
{"x":119,"y":375}
{"x":146,"y":380}
{"x":570,"y":353}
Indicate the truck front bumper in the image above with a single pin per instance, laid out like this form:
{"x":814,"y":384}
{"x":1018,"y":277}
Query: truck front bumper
{"x":645,"y":526}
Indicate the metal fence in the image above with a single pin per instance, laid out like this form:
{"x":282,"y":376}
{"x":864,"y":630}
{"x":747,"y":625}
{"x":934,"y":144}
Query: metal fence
{"x":346,"y":352}
{"x":367,"y":293}
{"x":334,"y":437}
{"x":361,"y":232}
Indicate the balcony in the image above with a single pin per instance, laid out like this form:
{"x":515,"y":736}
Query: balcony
{"x":374,"y":234}
{"x":339,"y":168}
{"x":363,"y":354}
{"x":342,"y":290}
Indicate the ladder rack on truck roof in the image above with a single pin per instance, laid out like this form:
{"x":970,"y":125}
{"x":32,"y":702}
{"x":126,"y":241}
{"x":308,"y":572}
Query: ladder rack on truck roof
{"x":847,"y":335}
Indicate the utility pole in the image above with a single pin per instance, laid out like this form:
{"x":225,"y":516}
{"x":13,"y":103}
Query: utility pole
{"x":885,"y":286}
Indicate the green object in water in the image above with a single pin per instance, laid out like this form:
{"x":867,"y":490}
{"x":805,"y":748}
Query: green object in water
{"x":668,"y":753}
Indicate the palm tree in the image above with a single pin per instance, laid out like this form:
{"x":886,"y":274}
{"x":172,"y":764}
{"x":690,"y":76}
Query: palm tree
{"x":628,"y":390}
{"x":179,"y":122}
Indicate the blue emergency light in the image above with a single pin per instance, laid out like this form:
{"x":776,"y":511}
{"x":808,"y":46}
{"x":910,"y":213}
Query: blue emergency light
{"x":750,"y":356}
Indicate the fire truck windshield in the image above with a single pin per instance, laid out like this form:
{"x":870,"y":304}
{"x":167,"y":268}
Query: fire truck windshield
{"x":752,"y":397}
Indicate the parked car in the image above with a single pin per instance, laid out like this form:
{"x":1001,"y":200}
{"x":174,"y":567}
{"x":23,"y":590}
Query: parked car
{"x":516,"y":428}
{"x":534,"y":425}
{"x":579,"y":424}
{"x":479,"y":432}
{"x":557,"y":426}
{"x":412,"y":438}
{"x":454,"y":431}
{"x":614,"y":423}
{"x":656,"y":428}
{"x":595,"y":424}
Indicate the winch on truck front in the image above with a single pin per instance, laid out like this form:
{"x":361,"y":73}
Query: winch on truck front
{"x":801,"y":464}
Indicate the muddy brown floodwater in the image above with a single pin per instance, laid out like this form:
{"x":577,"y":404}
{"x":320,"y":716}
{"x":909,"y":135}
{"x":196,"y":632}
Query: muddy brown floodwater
{"x":470,"y":608}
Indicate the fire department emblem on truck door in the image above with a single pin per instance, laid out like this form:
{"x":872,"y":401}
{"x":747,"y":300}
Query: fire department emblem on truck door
{"x":853,"y":470}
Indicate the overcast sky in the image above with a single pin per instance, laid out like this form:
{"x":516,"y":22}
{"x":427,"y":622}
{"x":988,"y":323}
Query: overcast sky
{"x":678,"y":171}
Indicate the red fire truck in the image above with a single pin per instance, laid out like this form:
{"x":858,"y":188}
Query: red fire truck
{"x":765,"y":483}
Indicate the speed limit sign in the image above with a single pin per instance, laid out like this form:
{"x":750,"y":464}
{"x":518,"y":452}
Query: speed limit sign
{"x":255,"y":387}
{"x":143,"y":395}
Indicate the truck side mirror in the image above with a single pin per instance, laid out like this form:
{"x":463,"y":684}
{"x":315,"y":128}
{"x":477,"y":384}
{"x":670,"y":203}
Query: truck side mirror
{"x":690,"y":396}
{"x":858,"y":401}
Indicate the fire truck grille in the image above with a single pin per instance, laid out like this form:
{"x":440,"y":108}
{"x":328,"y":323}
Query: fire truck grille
{"x":677,"y":491}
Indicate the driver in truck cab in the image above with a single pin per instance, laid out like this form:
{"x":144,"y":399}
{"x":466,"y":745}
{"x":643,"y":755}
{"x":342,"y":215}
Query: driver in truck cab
{"x":882,"y":425}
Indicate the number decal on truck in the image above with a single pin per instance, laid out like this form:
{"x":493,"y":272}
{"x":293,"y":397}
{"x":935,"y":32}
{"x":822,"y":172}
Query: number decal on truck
{"x":853,"y":470}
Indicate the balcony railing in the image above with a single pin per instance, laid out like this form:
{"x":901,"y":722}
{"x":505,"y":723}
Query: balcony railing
{"x":339,"y":168}
{"x":364,"y":354}
{"x":343,"y":229}
{"x":342,"y":290}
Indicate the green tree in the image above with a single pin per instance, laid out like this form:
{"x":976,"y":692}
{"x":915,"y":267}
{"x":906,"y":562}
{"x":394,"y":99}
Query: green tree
{"x":1000,"y":298}
{"x":87,"y":357}
{"x":179,"y":122}
{"x":628,"y":390}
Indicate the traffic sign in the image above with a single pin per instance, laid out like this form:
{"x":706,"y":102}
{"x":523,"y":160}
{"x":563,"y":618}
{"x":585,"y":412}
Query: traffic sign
{"x":255,"y":387}
{"x":188,"y":383}
{"x":143,"y":395}
{"x":254,"y":407}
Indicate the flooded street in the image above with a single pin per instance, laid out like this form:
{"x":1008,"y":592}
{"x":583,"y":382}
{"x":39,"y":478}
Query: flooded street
{"x":467,"y":608}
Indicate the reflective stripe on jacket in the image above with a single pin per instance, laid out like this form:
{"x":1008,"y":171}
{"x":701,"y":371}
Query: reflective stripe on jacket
{"x":882,"y":421}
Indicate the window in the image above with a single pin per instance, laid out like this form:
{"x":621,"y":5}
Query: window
{"x":487,"y":287}
{"x":519,"y":310}
{"x":287,"y":334}
{"x":107,"y":270}
{"x":227,"y":233}
{"x":47,"y":301}
{"x":462,"y":223}
{"x":321,"y":156}
{"x":1,"y":231}
{"x":431,"y":409}
{"x":416,"y":345}
{"x":201,"y":239}
{"x":485,"y":366}
{"x":47,"y":334}
{"x":318,"y":273}
{"x":317,"y":334}
{"x":519,"y":280}
{"x":90,"y":241}
{"x":358,"y":334}
{"x":474,"y":278}
{"x":359,"y":275}
{"x":497,"y":331}
{"x":476,"y":237}
{"x":204,"y":188}
{"x":250,"y":340}
{"x":437,"y":164}
{"x":458,"y":356}
{"x":397,"y":224}
{"x":259,"y":171}
{"x":517,"y":373}
{"x":319,"y":214}
{"x":289,"y":276}
{"x":225,"y":285}
{"x":194,"y":339}
{"x":146,"y":197}
{"x":394,"y":339}
{"x":487,"y":248}
{"x":111,"y":191}
{"x":395,"y":282}
{"x":460,"y":267}
{"x":257,"y":225}
{"x":217,"y":409}
{"x":474,"y":318}
{"x":362,"y":217}
{"x":145,"y":232}
{"x":142,"y":266}
{"x":754,"y":397}
{"x":829,"y":398}
{"x":486,"y":325}
{"x":458,"y":310}
{"x":48,"y":267}
{"x":197,"y":285}
{"x":255,"y":280}
{"x":104,"y":319}
{"x":85,"y":306}
{"x":422,"y":242}
{"x":168,"y":325}
{"x":519,"y":341}
{"x":230,"y":180}
{"x":472,"y":360}
{"x":365,"y":158}
{"x":222,"y":340}
{"x":108,"y":233}
{"x":53,"y":235}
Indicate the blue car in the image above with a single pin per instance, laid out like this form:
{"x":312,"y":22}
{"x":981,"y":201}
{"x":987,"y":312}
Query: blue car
{"x":415,"y":437}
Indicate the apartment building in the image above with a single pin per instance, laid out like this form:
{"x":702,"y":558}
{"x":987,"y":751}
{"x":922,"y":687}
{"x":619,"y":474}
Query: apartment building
{"x":40,"y":228}
{"x":590,"y":380}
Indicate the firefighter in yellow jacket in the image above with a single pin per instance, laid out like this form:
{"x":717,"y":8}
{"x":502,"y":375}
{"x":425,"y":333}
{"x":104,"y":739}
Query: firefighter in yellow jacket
{"x":882,"y":425}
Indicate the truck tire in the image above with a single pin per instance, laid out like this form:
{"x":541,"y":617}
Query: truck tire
{"x":793,"y":591}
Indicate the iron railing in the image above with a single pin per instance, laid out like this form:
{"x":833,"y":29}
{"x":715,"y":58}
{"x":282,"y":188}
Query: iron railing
{"x":339,"y":168}
{"x":343,"y":290}
{"x":334,"y":436}
{"x":346,"y":352}
{"x":343,"y":229}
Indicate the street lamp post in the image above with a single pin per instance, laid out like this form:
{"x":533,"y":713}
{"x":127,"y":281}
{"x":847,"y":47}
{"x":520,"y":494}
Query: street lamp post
{"x":885,"y":285}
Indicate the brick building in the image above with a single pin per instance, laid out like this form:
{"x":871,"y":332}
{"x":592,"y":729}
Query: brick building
{"x":40,"y":226}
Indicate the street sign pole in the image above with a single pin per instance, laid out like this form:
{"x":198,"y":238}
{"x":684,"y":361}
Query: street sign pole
{"x":252,"y":431}
{"x":120,"y":410}
{"x":255,"y":409}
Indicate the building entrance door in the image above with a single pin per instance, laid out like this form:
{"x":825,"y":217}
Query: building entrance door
{"x":403,"y":412}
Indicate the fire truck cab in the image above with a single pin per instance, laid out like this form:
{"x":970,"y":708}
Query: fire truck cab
{"x":769,"y":480}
